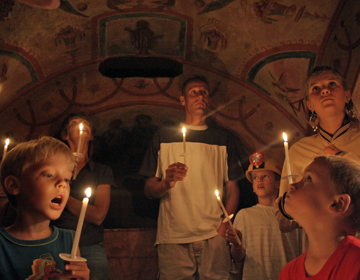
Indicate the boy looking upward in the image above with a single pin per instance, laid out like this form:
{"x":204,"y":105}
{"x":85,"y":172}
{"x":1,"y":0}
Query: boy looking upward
{"x":36,"y":176}
{"x":264,"y":250}
{"x":326,"y":203}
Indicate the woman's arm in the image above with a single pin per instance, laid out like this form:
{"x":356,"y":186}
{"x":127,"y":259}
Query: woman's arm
{"x":94,"y":213}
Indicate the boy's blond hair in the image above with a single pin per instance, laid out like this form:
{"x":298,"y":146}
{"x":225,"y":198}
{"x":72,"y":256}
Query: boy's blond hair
{"x":25,"y":154}
{"x":345,"y":174}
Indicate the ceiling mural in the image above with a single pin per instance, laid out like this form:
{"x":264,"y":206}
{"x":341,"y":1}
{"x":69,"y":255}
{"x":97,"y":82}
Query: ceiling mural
{"x":256,"y":55}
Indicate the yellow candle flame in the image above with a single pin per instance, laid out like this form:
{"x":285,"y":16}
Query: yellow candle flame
{"x":217,"y":193}
{"x":285,"y":137}
{"x":7,"y":141}
{"x":184,"y":130}
{"x":81,"y":127}
{"x":88,"y":192}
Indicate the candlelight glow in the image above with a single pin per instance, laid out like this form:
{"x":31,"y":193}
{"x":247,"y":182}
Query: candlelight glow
{"x":184,"y":130}
{"x":88,"y":192}
{"x":285,"y":137}
{"x":7,"y":141}
{"x":81,"y":127}
{"x":217,"y":193}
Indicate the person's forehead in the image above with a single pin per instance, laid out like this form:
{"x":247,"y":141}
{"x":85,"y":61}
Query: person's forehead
{"x":196,"y":84}
{"x":76,"y":119}
{"x":50,"y":161}
{"x":318,"y":168}
{"x":323,"y":77}
{"x":79,"y":120}
{"x":261,"y":171}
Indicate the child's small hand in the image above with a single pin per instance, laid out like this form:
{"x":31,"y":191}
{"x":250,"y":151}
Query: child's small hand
{"x":230,"y":236}
{"x":75,"y":270}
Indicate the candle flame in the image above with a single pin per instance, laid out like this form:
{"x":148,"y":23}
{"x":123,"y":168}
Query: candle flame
{"x":81,"y":127}
{"x":217,"y":193}
{"x":88,"y":192}
{"x":7,"y":141}
{"x":285,"y":137}
{"x":184,"y":130}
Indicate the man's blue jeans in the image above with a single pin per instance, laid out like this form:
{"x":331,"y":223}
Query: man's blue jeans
{"x":96,"y":261}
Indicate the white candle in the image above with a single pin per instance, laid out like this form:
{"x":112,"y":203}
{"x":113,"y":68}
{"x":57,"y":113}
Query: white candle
{"x":287,"y":159}
{"x":227,"y":216}
{"x":78,"y":151}
{"x":79,"y":143}
{"x":80,"y":223}
{"x":184,"y":143}
{"x":7,"y":141}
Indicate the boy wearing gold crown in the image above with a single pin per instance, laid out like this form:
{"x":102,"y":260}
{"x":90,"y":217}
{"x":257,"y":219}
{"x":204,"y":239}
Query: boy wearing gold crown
{"x":265,"y":250}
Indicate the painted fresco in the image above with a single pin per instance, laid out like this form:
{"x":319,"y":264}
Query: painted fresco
{"x":256,"y":55}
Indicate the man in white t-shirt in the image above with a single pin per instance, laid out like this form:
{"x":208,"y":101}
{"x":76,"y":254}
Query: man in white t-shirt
{"x":190,"y":237}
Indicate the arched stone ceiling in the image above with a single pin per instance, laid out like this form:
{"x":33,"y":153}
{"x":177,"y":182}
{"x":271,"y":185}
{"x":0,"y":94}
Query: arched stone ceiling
{"x":256,"y":55}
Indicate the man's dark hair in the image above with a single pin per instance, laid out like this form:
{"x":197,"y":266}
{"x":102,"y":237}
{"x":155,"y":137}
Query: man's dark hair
{"x":194,"y":78}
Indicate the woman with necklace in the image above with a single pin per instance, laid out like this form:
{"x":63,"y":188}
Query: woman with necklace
{"x":332,"y":117}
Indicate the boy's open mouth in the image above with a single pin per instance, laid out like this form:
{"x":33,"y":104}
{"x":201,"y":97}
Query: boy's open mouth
{"x":57,"y":200}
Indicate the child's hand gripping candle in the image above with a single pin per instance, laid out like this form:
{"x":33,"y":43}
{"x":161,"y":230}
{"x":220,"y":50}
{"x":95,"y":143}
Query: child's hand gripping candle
{"x":79,"y":226}
{"x":227,"y":217}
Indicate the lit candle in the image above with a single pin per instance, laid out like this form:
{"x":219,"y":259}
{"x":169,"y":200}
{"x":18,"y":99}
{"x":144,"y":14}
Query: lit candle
{"x":184,"y":143}
{"x":227,"y":218}
{"x":7,"y":141}
{"x":79,"y":143}
{"x":78,"y":151}
{"x":80,"y":223}
{"x":287,"y":159}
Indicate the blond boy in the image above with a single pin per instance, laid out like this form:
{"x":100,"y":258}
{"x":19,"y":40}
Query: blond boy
{"x":36,"y":176}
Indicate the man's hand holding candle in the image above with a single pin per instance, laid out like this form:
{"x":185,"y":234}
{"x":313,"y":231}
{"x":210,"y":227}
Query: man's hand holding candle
{"x":175,"y":172}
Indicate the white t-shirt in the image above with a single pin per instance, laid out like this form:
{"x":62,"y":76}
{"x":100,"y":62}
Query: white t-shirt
{"x":268,"y":250}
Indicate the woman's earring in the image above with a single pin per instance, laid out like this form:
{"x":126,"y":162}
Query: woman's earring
{"x":349,"y":109}
{"x":314,"y":121}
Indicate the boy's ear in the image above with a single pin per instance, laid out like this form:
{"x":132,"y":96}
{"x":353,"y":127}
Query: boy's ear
{"x":341,"y":203}
{"x":12,"y":185}
{"x":182,"y":100}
